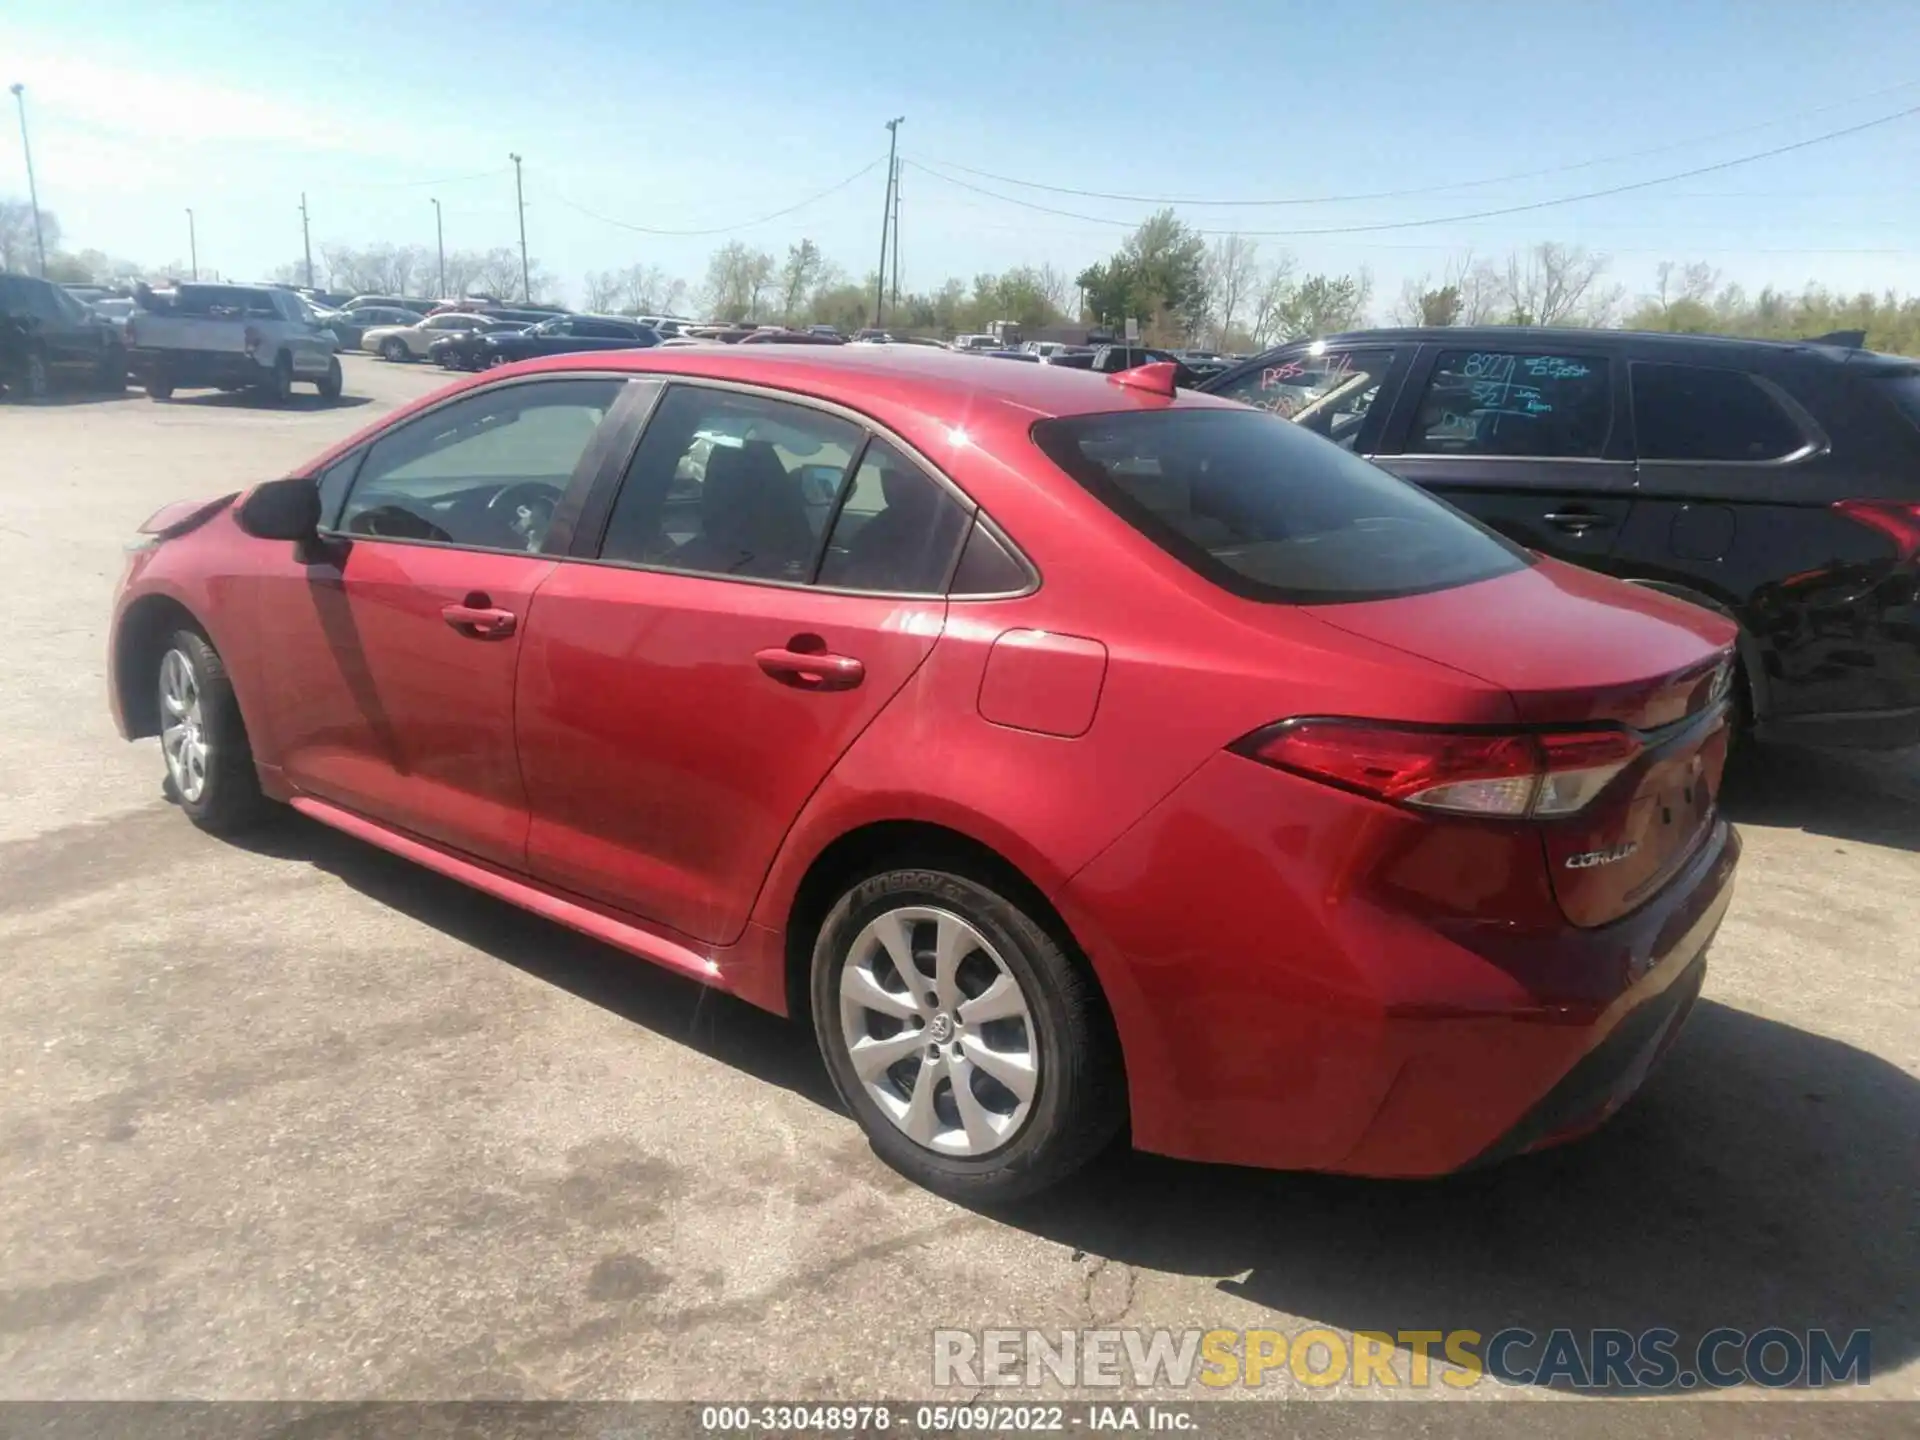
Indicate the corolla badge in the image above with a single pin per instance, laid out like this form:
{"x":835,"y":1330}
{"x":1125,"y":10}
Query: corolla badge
{"x":1592,"y":858}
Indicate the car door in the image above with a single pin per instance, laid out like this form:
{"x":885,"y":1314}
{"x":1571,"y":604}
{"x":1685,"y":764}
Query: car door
{"x":392,"y":649}
{"x":722,"y":636}
{"x":303,"y":335}
{"x":1531,"y":439}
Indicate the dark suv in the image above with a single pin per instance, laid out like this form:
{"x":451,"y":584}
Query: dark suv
{"x":47,"y":336}
{"x":1775,"y":482}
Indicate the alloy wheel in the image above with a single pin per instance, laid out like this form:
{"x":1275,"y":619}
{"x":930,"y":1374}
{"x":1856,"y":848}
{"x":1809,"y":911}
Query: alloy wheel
{"x":939,"y":1031}
{"x":183,"y":731}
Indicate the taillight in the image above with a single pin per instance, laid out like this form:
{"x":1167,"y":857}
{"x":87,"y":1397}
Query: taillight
{"x":1502,"y":776}
{"x":1898,"y":520}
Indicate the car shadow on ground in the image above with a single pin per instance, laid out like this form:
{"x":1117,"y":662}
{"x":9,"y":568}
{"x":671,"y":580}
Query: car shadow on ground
{"x":1766,"y":1176}
{"x":1869,"y":797}
{"x":247,"y":400}
{"x":62,"y":398}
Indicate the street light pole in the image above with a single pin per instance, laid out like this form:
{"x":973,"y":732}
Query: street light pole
{"x":193,"y":245}
{"x":520,"y":203}
{"x":886,"y":217}
{"x":306,"y":238}
{"x":33,"y":194}
{"x":440,"y":247}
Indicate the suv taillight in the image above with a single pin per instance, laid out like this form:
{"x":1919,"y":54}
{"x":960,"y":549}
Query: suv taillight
{"x":1898,"y":520}
{"x":1510,"y":775}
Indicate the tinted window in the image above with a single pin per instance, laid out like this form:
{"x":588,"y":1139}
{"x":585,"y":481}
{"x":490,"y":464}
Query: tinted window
{"x":897,"y":529}
{"x":487,"y":471}
{"x":334,"y":481}
{"x":1269,"y":510}
{"x":1690,"y":412}
{"x":41,"y":302}
{"x":987,"y":566}
{"x":1330,"y":393}
{"x":728,"y":484}
{"x":1488,"y":402}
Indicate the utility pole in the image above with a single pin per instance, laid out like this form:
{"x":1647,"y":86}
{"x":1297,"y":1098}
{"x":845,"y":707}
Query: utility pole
{"x":440,"y":247}
{"x":886,"y":217}
{"x":896,"y":237}
{"x":193,"y":245}
{"x":520,"y":203}
{"x":33,"y":194}
{"x":306,"y":238}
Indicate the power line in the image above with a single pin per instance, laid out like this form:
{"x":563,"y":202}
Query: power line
{"x":1668,"y":148}
{"x":1488,"y":214}
{"x":866,"y":169}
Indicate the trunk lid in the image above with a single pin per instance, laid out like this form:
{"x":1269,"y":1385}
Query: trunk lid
{"x":1579,"y":651}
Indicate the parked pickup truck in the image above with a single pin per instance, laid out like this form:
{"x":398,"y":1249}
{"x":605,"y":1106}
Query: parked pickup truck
{"x":229,"y":337}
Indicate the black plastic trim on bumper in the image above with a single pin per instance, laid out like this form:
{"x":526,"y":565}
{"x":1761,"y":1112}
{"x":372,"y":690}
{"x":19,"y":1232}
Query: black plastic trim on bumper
{"x":1606,"y":1075}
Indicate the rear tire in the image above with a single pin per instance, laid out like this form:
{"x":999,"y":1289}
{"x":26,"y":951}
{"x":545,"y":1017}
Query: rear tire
{"x":159,"y":383}
{"x":210,"y":773}
{"x":394,"y":350}
{"x":1013,"y":1012}
{"x":278,"y":386}
{"x":34,"y":380}
{"x":333,"y":382}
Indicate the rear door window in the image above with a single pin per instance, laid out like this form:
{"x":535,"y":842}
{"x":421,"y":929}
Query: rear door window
{"x":1695,"y":412}
{"x":1269,"y":510}
{"x":896,"y":530}
{"x":1514,"y":402}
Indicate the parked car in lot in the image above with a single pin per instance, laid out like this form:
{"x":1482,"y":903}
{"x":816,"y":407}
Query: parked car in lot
{"x":779,"y":335}
{"x":1072,"y":754}
{"x":350,"y":326}
{"x":229,"y":337}
{"x":48,"y":338}
{"x":391,"y":302}
{"x":563,"y":335}
{"x":411,"y":342}
{"x":1777,"y":484}
{"x":461,"y":349}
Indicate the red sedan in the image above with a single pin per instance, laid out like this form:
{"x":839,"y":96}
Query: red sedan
{"x":1075,"y":756}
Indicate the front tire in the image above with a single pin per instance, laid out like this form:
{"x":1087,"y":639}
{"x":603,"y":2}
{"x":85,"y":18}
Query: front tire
{"x":333,"y":382}
{"x":34,"y":380}
{"x":973,"y":1050}
{"x":203,"y":740}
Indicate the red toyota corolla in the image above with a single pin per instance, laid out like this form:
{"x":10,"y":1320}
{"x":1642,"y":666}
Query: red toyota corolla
{"x":1071,"y":754}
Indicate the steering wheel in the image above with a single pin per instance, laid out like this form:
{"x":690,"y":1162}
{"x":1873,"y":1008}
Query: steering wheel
{"x":526,"y":509}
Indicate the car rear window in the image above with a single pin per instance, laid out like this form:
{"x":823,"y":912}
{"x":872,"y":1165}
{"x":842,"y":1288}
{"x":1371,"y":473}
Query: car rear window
{"x":1270,"y":511}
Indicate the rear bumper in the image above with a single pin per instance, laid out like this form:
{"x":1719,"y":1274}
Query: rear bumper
{"x":1853,"y":729}
{"x":189,"y":368}
{"x":1288,"y":998}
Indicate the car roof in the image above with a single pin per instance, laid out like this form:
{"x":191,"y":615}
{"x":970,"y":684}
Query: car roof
{"x":1589,"y":337}
{"x":886,"y":381}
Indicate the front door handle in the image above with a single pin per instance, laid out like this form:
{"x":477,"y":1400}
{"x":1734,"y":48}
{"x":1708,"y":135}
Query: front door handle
{"x":480,"y":622}
{"x":1576,"y":521}
{"x":811,"y":669}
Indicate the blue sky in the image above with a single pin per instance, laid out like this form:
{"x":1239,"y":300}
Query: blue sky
{"x":685,"y":116}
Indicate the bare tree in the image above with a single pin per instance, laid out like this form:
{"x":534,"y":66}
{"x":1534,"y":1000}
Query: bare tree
{"x":1270,"y":300}
{"x":18,"y":249}
{"x":1230,"y":277}
{"x":463,"y":270}
{"x":1055,"y":286}
{"x":738,"y":279}
{"x":1555,"y":284}
{"x":603,"y":290}
{"x":798,"y":278}
{"x":497,"y":272}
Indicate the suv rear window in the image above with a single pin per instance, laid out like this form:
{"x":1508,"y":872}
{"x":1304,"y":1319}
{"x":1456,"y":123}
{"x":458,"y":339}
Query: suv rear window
{"x":1270,"y":511}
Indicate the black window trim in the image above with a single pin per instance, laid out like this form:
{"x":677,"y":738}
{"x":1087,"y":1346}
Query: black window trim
{"x":1813,"y":438}
{"x":598,"y":512}
{"x":1413,"y":389}
{"x":582,"y":475}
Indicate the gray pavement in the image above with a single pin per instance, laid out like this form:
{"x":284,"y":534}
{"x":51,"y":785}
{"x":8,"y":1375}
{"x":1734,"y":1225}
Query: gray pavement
{"x":294,"y":1119}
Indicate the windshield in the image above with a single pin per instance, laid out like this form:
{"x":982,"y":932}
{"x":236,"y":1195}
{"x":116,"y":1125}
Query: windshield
{"x":1270,"y":511}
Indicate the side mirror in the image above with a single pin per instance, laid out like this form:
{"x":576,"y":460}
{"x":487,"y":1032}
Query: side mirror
{"x":282,"y":510}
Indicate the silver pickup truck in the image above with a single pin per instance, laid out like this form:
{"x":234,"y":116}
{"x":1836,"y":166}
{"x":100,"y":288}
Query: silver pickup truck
{"x":229,"y":337}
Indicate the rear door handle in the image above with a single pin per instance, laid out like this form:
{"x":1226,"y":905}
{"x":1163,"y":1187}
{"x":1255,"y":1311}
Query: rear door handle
{"x":811,"y":669}
{"x":480,"y":622}
{"x":1577,"y":521}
